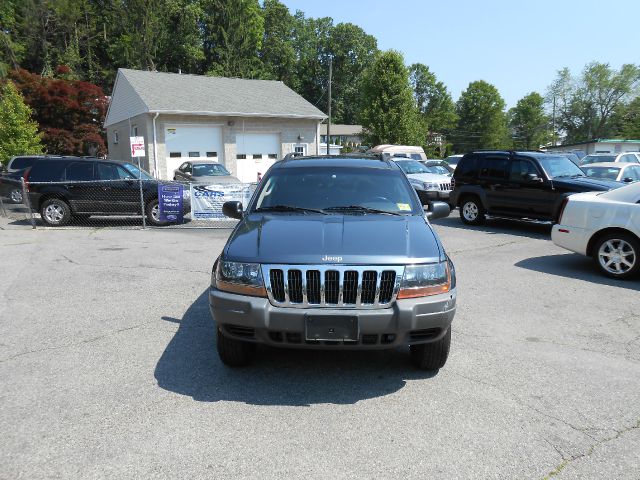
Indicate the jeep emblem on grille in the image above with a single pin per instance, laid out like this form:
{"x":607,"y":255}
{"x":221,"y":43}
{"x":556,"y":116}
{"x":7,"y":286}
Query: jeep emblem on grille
{"x":328,"y":258}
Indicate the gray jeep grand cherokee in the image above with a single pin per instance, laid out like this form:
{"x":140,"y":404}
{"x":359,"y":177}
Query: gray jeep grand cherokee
{"x":334,"y":253}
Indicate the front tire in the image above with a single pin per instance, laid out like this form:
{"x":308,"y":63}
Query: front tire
{"x":471,"y":211}
{"x":234,"y":353}
{"x":431,"y":356}
{"x":618,"y":255}
{"x":55,"y":212}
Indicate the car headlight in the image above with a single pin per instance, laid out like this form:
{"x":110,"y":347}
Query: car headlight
{"x":238,"y":277}
{"x":430,"y":186}
{"x":426,"y":279}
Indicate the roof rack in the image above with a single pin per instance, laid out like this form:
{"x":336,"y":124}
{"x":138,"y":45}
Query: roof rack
{"x":364,"y":156}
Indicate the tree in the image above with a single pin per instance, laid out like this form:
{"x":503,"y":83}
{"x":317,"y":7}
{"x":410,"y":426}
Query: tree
{"x":528,"y":122}
{"x":11,"y":49}
{"x":278,"y":54}
{"x":233,"y":31}
{"x":352,"y":50}
{"x":627,"y":120}
{"x":18,"y":132}
{"x":70,"y":112}
{"x":389,"y":113}
{"x":435,"y":105}
{"x":585,"y":106}
{"x":482,"y":121}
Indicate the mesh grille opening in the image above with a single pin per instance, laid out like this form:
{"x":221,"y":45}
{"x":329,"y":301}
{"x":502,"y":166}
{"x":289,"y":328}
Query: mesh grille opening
{"x":331,"y":286}
{"x":387,"y":283}
{"x":313,"y":286}
{"x":369,"y":279}
{"x":350,"y":287}
{"x":277,"y":284}
{"x":294,"y":279}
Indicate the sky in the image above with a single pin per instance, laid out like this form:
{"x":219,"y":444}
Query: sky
{"x":517,"y":45}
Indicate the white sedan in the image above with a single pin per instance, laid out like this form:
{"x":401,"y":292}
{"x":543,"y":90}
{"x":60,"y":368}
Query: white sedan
{"x":605,"y":226}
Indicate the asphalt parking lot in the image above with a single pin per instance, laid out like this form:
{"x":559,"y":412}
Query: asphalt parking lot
{"x":108,"y":369}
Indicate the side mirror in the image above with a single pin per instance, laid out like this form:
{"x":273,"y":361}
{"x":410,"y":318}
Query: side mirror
{"x":628,"y":180}
{"x":438,"y":210}
{"x":533,"y":178}
{"x":232,"y":209}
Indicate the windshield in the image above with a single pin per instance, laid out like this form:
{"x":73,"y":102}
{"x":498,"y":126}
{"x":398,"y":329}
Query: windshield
{"x":597,"y":159}
{"x":557,"y":166}
{"x":133,"y":170}
{"x":328,"y":187}
{"x":608,"y":173}
{"x":412,"y":166}
{"x":208,"y":170}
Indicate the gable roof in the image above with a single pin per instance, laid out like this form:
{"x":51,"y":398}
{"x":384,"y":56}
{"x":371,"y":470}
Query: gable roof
{"x":138,"y":91}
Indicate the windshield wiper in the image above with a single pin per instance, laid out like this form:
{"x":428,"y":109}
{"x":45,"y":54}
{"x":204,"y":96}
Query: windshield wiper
{"x":360,"y":208}
{"x":290,"y":208}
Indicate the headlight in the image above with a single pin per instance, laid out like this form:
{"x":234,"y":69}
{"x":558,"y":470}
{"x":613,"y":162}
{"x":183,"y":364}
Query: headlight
{"x":424,"y":280}
{"x":423,"y":185}
{"x":237,"y":277}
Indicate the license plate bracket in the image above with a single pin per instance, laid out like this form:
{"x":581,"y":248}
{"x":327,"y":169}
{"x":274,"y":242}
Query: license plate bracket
{"x":331,"y":328}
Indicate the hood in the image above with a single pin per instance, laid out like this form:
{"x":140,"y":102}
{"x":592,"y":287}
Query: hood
{"x":584,"y":184}
{"x":356,"y":239}
{"x":430,"y":177}
{"x":216,"y":179}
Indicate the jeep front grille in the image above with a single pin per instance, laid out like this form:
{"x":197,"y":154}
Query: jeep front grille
{"x":445,"y":187}
{"x":332,"y":286}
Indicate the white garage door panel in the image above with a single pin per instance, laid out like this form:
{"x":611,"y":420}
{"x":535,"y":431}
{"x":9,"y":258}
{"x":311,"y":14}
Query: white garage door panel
{"x":192,"y":139}
{"x":257,"y":147}
{"x":258,"y":143}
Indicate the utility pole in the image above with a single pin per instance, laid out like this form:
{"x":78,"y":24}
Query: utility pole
{"x":329,"y":108}
{"x":553,"y":123}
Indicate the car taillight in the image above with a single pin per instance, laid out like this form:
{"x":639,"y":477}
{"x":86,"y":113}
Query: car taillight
{"x":562,"y":207}
{"x":26,"y":180}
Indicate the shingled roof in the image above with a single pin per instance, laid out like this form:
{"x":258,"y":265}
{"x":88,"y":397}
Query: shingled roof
{"x":137,"y":91}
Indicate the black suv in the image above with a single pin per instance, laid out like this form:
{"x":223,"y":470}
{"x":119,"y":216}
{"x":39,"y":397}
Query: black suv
{"x":60,"y":189}
{"x":529,"y":185}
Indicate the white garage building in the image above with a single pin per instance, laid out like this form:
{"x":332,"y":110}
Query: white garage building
{"x":245,"y":125}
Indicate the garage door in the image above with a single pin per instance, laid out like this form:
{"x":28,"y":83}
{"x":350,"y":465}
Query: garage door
{"x":192,"y":143}
{"x":256,"y":153}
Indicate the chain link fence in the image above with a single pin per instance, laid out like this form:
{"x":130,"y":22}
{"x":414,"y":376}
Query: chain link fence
{"x":126,"y":203}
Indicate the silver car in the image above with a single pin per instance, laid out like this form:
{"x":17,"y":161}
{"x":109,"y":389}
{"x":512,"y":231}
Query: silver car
{"x":204,"y":171}
{"x":619,"y":171}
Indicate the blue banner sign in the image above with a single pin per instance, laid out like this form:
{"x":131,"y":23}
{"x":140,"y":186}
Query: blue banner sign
{"x":170,"y":200}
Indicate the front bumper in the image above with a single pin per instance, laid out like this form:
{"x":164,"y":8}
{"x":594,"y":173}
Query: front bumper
{"x":408,"y":321}
{"x":427,"y":196}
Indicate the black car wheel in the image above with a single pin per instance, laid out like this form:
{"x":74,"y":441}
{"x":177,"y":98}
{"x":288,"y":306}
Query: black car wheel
{"x":55,"y":212}
{"x":153,"y":213}
{"x":15,"y":195}
{"x":235,"y":353}
{"x":431,"y":356}
{"x":617,"y":255}
{"x":472,"y":211}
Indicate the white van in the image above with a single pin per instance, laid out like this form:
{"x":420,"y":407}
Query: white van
{"x":407,"y":151}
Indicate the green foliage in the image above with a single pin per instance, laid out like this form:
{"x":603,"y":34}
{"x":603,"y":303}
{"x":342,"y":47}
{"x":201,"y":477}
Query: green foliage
{"x":233,"y":33}
{"x":627,"y":120}
{"x":437,"y":110}
{"x":18,"y":132}
{"x":389,"y":114}
{"x":352,"y":51}
{"x":433,"y":99}
{"x":529,"y":124}
{"x":11,"y":49}
{"x":278,"y":54}
{"x":585,"y":106}
{"x":482,"y":123}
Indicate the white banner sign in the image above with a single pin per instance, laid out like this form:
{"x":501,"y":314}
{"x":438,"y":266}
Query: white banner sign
{"x":207,"y":200}
{"x":137,"y":146}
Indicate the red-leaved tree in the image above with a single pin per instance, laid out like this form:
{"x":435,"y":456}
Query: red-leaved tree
{"x":70,"y":112}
